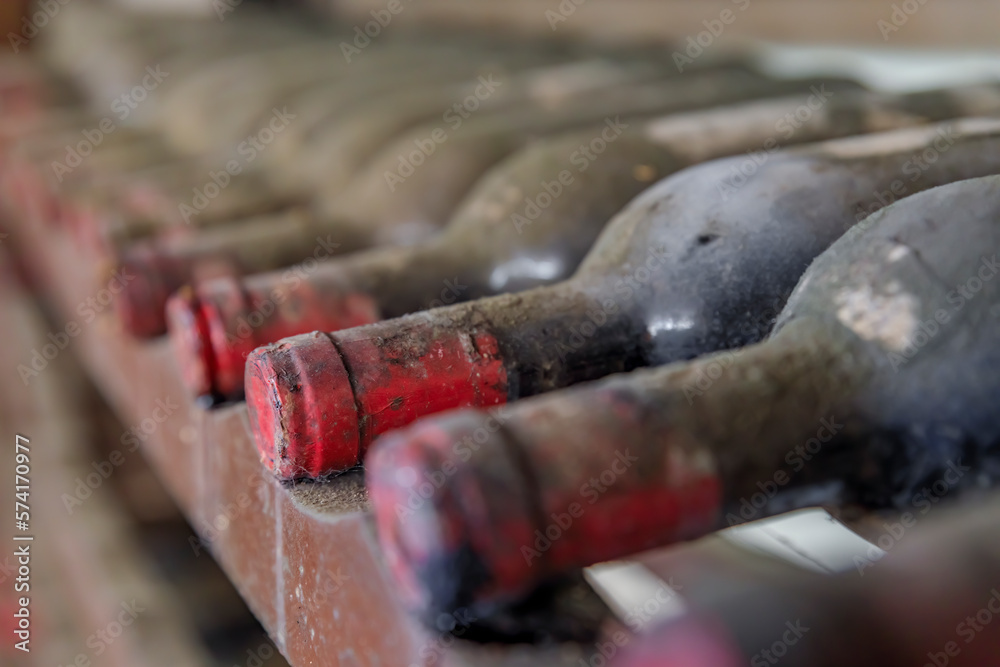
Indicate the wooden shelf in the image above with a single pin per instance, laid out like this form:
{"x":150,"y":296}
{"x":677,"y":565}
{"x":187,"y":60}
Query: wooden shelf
{"x":304,"y":557}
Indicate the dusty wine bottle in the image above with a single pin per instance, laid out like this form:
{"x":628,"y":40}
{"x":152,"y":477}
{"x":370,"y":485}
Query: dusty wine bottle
{"x":213,"y":119}
{"x":108,"y":54}
{"x":877,"y":381}
{"x":351,"y":122}
{"x":332,"y":152}
{"x":268,"y":246}
{"x":217,"y":324}
{"x":421,"y":176}
{"x":263,"y":107}
{"x":413,"y":213}
{"x":121,"y":211}
{"x":679,"y":273}
{"x":928,"y":601}
{"x":39,"y":167}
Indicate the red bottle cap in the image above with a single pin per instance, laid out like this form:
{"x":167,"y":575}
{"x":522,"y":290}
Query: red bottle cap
{"x":317,"y":401}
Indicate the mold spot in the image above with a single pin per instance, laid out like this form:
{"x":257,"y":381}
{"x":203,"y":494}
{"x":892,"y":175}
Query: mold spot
{"x":888,"y":319}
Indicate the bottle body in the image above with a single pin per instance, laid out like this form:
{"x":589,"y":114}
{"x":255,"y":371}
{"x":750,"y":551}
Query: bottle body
{"x":427,"y":196}
{"x":484,"y":250}
{"x":821,"y":413}
{"x":677,"y":274}
{"x":860,"y":617}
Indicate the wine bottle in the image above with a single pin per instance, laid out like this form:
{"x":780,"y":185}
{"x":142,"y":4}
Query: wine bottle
{"x":108,"y":53}
{"x":38,"y":167}
{"x":877,"y":381}
{"x":422,"y":176}
{"x":197,"y":111}
{"x":105,"y":218}
{"x":345,"y":124}
{"x":217,"y":324}
{"x":369,"y":217}
{"x":353,"y":123}
{"x":693,"y":265}
{"x":161,"y":201}
{"x":403,"y":95}
{"x":929,"y":601}
{"x":163,"y":267}
{"x":332,"y":152}
{"x":28,"y":91}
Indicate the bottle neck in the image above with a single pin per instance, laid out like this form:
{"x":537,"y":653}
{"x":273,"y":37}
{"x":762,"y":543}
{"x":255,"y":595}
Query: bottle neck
{"x":693,"y":440}
{"x":406,"y":279}
{"x":555,"y":336}
{"x":570,"y":333}
{"x":764,"y":412}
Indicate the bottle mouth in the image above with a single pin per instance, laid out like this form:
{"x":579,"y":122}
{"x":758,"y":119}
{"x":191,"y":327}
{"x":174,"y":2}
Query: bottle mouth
{"x":220,"y":321}
{"x":142,"y":303}
{"x":415,"y":529}
{"x":88,"y":223}
{"x":212,"y":353}
{"x":434,"y":514}
{"x":191,"y":341}
{"x":30,"y":192}
{"x":302,"y":410}
{"x":320,"y":399}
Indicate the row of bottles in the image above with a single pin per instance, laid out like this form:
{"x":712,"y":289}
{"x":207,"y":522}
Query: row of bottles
{"x":525,"y":224}
{"x":677,"y":274}
{"x":536,"y":287}
{"x":878,"y":378}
